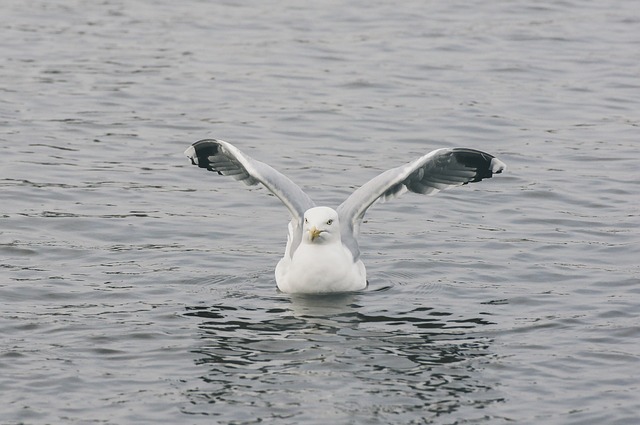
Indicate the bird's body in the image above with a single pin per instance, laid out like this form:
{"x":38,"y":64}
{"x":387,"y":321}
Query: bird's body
{"x":322,"y":254}
{"x":321,"y":263}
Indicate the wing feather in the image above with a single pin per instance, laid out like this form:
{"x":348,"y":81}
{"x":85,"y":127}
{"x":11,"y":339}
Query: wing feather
{"x":227,"y":160}
{"x":429,"y":174}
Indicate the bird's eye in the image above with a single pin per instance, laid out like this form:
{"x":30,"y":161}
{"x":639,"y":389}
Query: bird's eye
{"x":306,"y":220}
{"x":329,"y":222}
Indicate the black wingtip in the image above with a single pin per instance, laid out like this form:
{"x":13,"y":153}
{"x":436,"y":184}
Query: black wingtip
{"x":486,"y":165}
{"x":200,"y":151}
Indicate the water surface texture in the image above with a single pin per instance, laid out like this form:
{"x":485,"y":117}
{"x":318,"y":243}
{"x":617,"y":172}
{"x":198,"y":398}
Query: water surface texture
{"x":135,"y":288}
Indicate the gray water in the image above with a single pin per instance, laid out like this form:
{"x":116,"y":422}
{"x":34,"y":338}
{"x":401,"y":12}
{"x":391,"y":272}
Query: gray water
{"x":135,"y":288}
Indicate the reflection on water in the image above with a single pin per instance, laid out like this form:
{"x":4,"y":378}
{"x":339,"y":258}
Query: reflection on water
{"x":303,"y":349}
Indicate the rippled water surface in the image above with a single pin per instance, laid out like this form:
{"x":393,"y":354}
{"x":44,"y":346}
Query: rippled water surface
{"x":136,"y":288}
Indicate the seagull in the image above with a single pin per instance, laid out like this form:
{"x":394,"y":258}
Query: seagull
{"x":322,"y":254}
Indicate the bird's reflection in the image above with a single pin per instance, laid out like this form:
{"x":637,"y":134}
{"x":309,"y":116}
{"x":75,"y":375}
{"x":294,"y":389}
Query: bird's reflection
{"x":333,"y":352}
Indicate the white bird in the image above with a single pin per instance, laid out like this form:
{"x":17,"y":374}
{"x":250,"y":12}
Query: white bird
{"x":322,"y":254}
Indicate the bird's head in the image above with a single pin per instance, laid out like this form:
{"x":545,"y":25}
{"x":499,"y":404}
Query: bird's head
{"x":321,"y":225}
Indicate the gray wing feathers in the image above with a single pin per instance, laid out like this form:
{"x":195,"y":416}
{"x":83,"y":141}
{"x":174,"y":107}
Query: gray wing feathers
{"x":227,"y":160}
{"x":429,"y":174}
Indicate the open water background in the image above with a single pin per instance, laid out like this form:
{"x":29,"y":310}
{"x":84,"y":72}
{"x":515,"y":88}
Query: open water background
{"x":135,"y":288}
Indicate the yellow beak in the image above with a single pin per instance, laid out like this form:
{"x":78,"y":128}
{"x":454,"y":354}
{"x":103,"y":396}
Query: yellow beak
{"x":314,"y":232}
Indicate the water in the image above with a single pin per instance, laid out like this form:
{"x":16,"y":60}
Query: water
{"x":136,"y":288}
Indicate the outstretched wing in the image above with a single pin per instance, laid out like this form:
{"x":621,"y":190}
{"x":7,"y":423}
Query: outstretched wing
{"x":227,"y":160}
{"x":435,"y":171}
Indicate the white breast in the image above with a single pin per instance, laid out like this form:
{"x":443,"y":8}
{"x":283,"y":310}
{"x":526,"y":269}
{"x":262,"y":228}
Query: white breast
{"x":318,"y":268}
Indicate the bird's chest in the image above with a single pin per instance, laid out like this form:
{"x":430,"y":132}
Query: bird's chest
{"x":323,"y":261}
